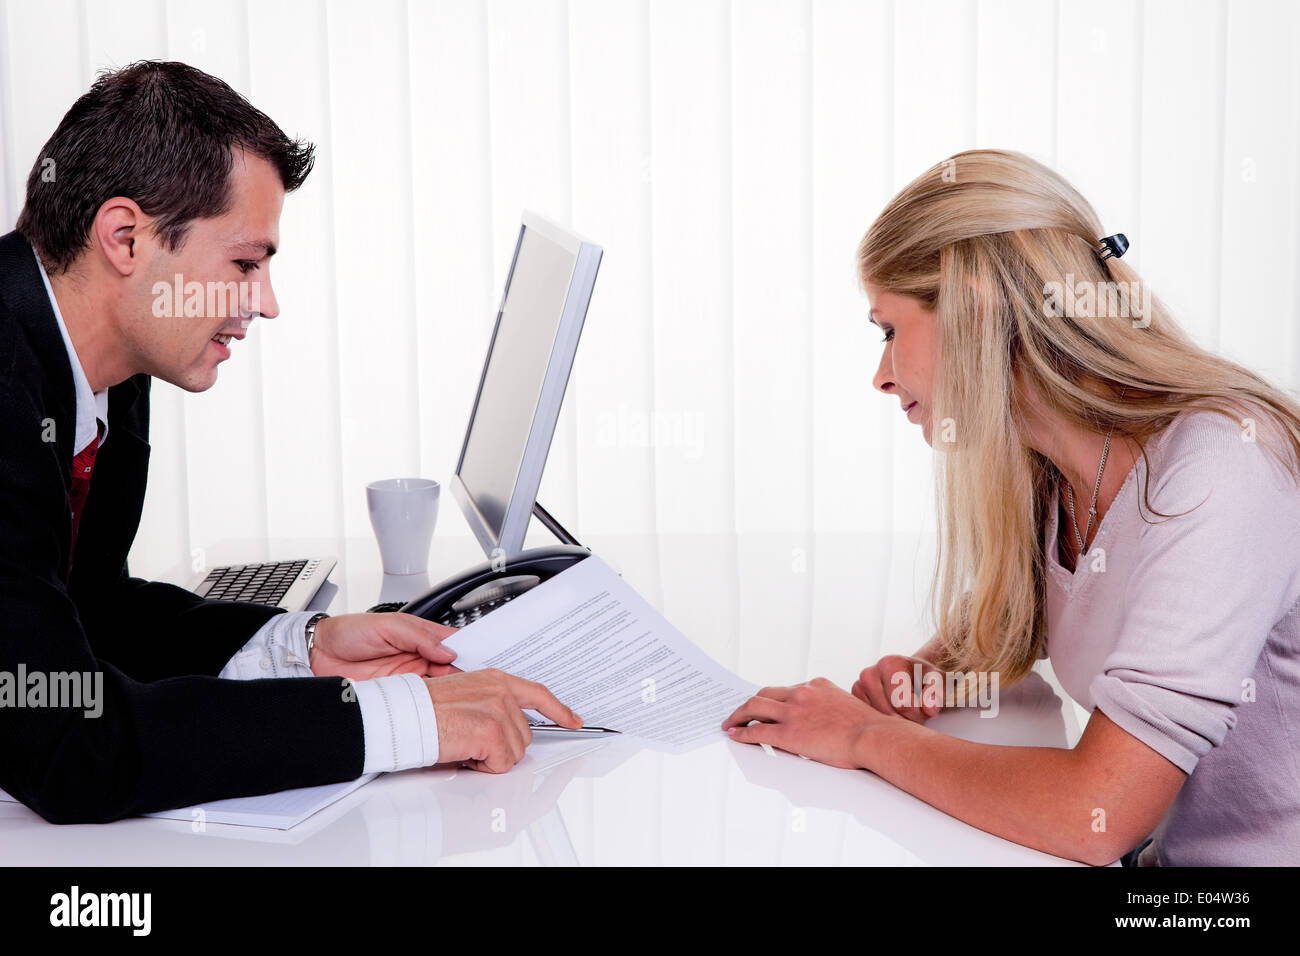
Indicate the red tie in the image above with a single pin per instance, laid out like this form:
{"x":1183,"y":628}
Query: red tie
{"x":83,"y":465}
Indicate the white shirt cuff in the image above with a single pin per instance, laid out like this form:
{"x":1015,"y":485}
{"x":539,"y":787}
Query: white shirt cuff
{"x":401,"y":729}
{"x":277,"y":649}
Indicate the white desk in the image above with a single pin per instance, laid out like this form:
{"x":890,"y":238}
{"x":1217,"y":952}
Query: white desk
{"x":725,"y":803}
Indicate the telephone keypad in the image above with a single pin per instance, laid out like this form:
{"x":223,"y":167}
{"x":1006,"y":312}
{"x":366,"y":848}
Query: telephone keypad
{"x":470,"y":615}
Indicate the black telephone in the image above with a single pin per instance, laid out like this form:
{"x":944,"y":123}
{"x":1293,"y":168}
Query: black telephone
{"x":464,"y":598}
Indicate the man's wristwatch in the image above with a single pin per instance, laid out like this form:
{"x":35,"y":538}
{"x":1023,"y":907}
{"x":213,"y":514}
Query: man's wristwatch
{"x":311,"y":632}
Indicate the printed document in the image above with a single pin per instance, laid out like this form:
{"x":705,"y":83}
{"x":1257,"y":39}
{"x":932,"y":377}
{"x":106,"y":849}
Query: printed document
{"x":602,"y":649}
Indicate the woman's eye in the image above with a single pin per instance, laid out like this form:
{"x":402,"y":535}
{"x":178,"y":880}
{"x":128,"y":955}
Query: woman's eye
{"x":889,"y":334}
{"x":245,"y":265}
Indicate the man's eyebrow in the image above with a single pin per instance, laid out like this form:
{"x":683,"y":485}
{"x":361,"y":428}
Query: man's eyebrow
{"x":262,"y":247}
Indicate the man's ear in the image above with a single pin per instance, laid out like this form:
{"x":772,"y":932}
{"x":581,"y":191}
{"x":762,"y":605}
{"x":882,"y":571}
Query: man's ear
{"x":118,"y":230}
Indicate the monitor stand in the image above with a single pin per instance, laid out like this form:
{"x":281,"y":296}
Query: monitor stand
{"x":553,"y":526}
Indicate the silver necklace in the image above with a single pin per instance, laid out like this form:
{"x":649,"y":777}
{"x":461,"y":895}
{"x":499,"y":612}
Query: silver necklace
{"x":1092,"y":509}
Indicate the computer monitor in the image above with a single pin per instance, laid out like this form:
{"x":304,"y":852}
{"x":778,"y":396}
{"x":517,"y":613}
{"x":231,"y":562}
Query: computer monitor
{"x":522,"y":385}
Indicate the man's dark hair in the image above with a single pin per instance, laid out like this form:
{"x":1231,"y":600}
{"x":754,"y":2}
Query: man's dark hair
{"x":161,"y":134}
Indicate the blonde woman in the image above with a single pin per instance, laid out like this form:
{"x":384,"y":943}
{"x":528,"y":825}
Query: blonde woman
{"x":1111,"y":496}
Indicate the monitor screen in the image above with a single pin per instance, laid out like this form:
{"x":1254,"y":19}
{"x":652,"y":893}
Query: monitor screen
{"x":523,"y":381}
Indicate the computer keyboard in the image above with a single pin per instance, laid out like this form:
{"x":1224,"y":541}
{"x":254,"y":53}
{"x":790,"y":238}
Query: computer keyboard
{"x":287,"y":584}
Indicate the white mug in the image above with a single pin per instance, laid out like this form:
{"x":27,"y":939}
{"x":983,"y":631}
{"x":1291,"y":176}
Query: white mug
{"x":403,"y":512}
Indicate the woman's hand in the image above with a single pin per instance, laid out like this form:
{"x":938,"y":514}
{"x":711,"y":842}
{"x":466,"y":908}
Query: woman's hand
{"x":816,"y":720}
{"x":888,"y":686}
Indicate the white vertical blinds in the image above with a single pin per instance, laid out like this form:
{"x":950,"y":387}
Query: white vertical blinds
{"x":728,"y":155}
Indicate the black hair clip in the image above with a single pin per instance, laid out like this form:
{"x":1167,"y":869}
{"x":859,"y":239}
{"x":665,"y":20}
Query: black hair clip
{"x":1115,"y":245}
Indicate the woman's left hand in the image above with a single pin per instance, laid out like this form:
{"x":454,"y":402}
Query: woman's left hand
{"x":816,"y":720}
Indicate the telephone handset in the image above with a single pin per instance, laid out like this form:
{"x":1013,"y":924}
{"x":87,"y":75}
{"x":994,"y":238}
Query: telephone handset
{"x":464,"y":598}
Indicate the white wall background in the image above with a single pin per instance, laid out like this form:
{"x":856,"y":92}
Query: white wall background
{"x":728,"y":155}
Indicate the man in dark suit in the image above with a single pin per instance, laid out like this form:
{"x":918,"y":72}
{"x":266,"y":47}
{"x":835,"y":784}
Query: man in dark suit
{"x":163,"y":171}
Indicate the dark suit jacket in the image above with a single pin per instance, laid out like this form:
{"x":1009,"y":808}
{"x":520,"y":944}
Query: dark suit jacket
{"x":171,"y":734}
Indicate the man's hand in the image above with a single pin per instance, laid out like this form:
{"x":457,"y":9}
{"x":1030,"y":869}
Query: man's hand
{"x":364,"y":646}
{"x":481,"y":720}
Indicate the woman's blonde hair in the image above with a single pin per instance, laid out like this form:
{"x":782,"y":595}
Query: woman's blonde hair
{"x":1006,"y":254}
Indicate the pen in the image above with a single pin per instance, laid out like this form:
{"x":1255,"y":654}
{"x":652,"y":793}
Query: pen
{"x":556,"y":728}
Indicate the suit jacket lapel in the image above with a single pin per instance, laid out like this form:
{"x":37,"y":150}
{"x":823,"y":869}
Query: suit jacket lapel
{"x":113,"y":507}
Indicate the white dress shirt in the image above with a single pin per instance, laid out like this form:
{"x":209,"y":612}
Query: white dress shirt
{"x":397,"y":717}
